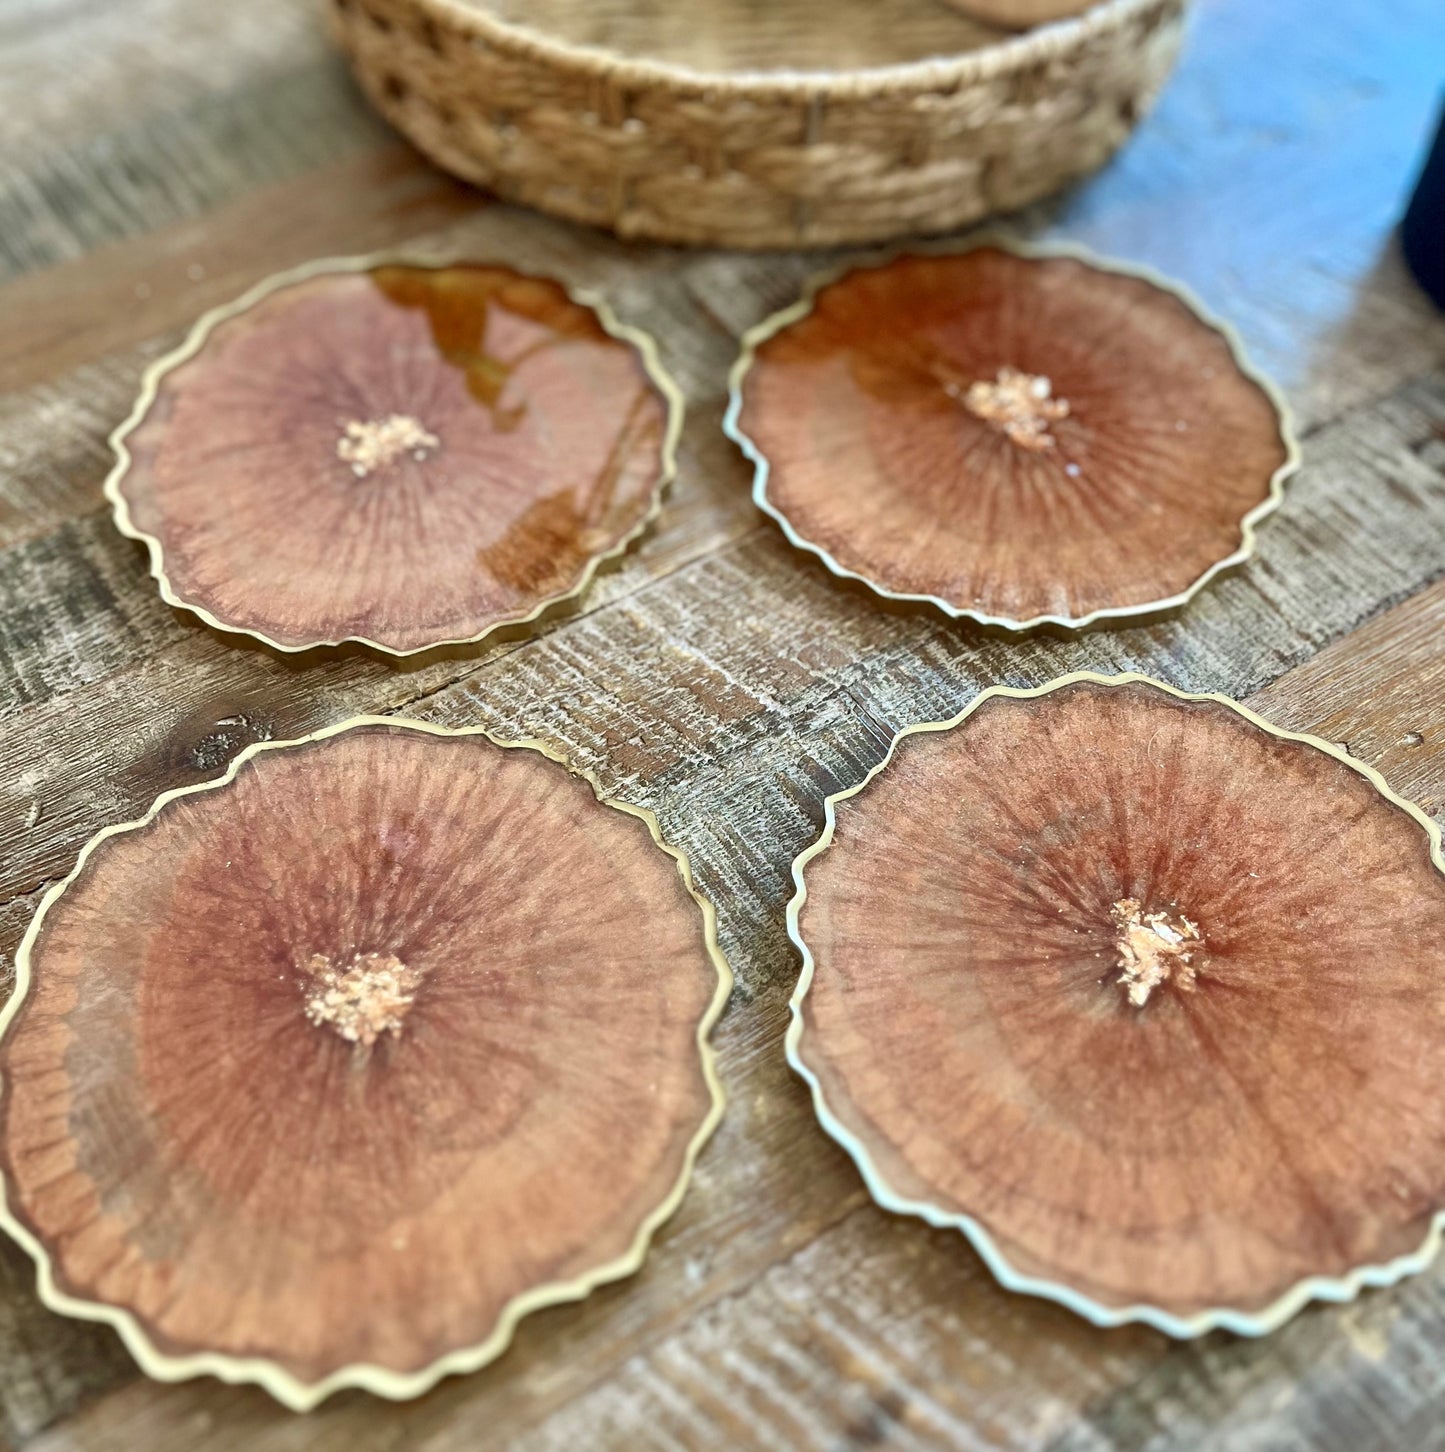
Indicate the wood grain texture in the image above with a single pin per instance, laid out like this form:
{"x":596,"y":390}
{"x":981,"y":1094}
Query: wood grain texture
{"x":1143,"y":996}
{"x":476,"y":998}
{"x":404,"y":456}
{"x":126,"y":121}
{"x":721,"y":679}
{"x":1017,"y":439}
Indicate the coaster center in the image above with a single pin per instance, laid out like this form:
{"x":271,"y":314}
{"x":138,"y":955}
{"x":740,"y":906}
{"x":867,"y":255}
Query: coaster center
{"x":370,"y":997}
{"x":374,"y":443}
{"x":1154,"y":949}
{"x":1020,"y":405}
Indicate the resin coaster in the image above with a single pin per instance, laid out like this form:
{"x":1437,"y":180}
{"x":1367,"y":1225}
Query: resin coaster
{"x":325,"y":1074}
{"x":1143,"y":994}
{"x":404,"y":456}
{"x":1023,"y":439}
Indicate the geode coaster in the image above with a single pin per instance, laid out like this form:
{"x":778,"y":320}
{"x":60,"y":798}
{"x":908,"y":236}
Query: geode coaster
{"x":1019,"y":438}
{"x":1143,"y":994}
{"x":406,"y":456}
{"x":324,"y":1074}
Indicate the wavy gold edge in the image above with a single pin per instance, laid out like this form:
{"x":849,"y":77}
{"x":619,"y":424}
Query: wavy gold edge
{"x":287,"y":1388}
{"x":1242,"y":1323}
{"x":761,"y":332}
{"x":642,"y":343}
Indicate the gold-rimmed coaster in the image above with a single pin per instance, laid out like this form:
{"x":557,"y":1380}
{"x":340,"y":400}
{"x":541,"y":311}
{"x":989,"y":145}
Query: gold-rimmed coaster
{"x":324,"y":1074}
{"x":1022,"y":437}
{"x":402,"y":454}
{"x":1140,"y":992}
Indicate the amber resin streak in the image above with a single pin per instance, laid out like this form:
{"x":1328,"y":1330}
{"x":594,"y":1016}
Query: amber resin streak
{"x":324,"y":1075}
{"x":402,"y":455}
{"x":1142,"y":993}
{"x":1021,"y":438}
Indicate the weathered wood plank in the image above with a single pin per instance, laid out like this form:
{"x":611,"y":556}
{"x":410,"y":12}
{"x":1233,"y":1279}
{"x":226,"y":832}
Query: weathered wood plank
{"x":1302,"y":274}
{"x":90,"y":62}
{"x":861,"y":1329}
{"x":52,"y":1365}
{"x":194,"y":700}
{"x":1378,"y":694}
{"x":879,"y":1333}
{"x":148,"y":290}
{"x":751,"y":663}
{"x":53,"y":451}
{"x":1367,"y":1378}
{"x":166,"y":168}
{"x":764,"y":683}
{"x":725,"y":686}
{"x":723,"y":679}
{"x":126,"y":118}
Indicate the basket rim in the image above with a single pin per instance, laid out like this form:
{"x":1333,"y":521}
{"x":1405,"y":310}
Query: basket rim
{"x":930,"y":75}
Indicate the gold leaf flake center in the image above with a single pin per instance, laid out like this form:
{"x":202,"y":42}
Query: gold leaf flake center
{"x":1153,"y":948}
{"x":370,"y":997}
{"x":373,"y":443}
{"x":1020,"y":405}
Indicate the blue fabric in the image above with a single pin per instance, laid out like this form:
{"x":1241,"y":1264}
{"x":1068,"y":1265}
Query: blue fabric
{"x":1422,"y":233}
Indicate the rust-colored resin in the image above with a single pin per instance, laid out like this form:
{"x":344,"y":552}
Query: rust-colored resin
{"x":331,"y":1065}
{"x":1016,"y":438}
{"x":406,"y":456}
{"x":1152,"y":995}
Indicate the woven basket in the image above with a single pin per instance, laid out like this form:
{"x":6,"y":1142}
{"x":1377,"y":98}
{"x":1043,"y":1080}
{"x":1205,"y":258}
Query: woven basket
{"x":670,"y":119}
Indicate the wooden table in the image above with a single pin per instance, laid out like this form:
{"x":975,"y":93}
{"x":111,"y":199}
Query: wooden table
{"x":159,"y":156}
